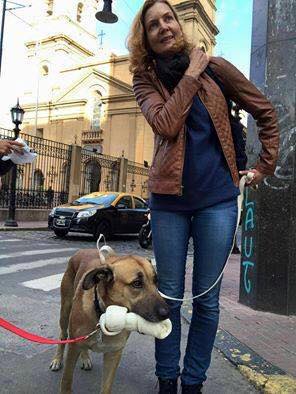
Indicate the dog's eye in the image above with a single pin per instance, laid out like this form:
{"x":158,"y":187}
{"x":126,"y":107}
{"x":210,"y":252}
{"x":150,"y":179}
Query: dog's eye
{"x":138,"y":284}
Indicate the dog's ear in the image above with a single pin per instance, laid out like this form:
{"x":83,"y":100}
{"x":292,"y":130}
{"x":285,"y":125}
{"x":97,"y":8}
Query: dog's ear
{"x":93,"y":277}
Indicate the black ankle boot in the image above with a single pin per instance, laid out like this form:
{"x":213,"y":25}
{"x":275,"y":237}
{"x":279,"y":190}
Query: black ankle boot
{"x":191,"y":388}
{"x":168,"y":386}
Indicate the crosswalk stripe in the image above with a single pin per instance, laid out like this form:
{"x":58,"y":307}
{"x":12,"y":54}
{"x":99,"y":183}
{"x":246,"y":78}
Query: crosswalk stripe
{"x":24,"y":245}
{"x":11,"y":240}
{"x":47,"y":283}
{"x":28,"y":266}
{"x":34,"y":252}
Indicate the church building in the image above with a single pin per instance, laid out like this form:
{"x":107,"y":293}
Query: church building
{"x":84,"y":95}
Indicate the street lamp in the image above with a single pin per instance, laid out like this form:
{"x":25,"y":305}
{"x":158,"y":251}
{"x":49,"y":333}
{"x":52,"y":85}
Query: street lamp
{"x":106,"y":15}
{"x":17,"y":115}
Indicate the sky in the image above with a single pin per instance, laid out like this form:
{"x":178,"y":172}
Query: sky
{"x":233,"y":19}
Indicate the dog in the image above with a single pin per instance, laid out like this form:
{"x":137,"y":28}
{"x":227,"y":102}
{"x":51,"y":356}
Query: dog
{"x":128,"y":281}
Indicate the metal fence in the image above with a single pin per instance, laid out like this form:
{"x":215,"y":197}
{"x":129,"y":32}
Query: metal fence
{"x":45,"y":182}
{"x":137,"y":179}
{"x":98,"y":172}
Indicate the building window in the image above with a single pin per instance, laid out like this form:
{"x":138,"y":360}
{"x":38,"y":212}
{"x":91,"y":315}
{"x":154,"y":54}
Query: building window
{"x":92,"y":177}
{"x":44,"y":70}
{"x":203,"y":46}
{"x":79,"y":12}
{"x":96,"y":112}
{"x":49,"y":7}
{"x":38,"y":180}
{"x":39,"y":133}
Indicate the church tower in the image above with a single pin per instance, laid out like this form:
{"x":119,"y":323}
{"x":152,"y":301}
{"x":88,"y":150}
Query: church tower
{"x":198,"y":20}
{"x":63,"y":35}
{"x":64,"y":32}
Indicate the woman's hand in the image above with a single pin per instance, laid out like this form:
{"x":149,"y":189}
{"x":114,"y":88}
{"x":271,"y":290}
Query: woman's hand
{"x":7,"y":146}
{"x":198,"y":62}
{"x":257,"y":178}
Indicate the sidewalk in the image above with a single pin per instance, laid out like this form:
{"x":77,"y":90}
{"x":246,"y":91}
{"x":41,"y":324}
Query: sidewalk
{"x":42,"y":225}
{"x":262,"y":341}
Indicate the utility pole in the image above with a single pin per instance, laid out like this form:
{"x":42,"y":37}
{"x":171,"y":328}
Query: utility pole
{"x":2,"y":31}
{"x":268,"y":274}
{"x":4,"y":9}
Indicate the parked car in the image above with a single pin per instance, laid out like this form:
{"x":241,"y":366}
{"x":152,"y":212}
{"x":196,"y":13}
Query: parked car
{"x":100,"y":212}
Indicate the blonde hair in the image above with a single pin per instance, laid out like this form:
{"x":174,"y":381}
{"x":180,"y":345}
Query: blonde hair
{"x":140,"y":54}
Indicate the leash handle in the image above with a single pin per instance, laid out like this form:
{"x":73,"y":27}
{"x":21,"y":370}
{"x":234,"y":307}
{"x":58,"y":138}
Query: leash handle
{"x":105,"y":248}
{"x":246,"y":178}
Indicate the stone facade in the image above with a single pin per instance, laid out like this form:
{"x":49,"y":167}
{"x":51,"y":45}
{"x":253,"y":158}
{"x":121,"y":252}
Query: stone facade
{"x":85,"y":95}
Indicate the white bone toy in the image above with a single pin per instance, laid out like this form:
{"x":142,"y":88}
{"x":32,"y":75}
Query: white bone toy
{"x":117,"y":318}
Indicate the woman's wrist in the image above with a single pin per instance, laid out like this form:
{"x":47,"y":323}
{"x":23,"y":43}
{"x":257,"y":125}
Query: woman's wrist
{"x":192,"y":74}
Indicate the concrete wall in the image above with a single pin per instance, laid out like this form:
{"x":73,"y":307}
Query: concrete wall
{"x":26,"y":215}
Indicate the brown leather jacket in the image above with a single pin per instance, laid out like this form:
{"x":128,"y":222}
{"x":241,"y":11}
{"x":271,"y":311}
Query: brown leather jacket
{"x":167,"y":114}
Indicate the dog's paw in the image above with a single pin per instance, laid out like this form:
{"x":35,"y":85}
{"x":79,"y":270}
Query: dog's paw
{"x":55,"y":365}
{"x":86,"y":364}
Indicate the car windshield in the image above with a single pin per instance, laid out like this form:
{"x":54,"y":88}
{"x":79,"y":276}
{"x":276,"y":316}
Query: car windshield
{"x":102,"y":199}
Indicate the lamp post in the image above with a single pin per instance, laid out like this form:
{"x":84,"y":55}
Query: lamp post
{"x":17,"y":115}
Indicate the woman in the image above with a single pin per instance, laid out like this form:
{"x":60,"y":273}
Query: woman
{"x":193,"y":178}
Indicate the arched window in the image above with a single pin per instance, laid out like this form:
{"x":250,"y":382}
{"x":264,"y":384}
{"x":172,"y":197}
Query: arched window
{"x":19,"y":178}
{"x":49,"y":10}
{"x":38,"y":179}
{"x":79,"y":11}
{"x":44,"y":70}
{"x":92,"y":177}
{"x":96,"y":111}
{"x":203,"y":45}
{"x":65,"y":172}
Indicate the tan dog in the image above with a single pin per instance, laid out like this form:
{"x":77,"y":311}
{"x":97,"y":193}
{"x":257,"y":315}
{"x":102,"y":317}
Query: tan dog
{"x":128,"y":281}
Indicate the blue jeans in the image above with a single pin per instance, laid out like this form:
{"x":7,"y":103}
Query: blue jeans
{"x":212,"y":230}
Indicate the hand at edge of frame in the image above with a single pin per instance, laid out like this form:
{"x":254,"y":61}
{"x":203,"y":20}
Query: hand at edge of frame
{"x":257,"y":179}
{"x":7,"y":146}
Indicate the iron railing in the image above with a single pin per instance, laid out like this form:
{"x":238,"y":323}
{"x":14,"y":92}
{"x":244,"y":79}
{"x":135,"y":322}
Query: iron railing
{"x":45,"y":182}
{"x":137,"y":179}
{"x":89,"y":136}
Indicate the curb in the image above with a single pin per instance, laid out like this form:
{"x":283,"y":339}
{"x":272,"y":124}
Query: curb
{"x":23,"y":228}
{"x":265,"y":376}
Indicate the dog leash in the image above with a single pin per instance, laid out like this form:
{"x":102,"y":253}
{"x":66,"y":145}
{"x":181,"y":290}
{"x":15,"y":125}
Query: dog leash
{"x":104,"y":248}
{"x":45,"y":341}
{"x":240,"y":199}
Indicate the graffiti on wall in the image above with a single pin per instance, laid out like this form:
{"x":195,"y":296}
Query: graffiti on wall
{"x":248,"y":243}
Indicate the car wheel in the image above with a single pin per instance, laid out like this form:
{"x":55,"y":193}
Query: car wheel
{"x":60,"y":233}
{"x":103,"y":227}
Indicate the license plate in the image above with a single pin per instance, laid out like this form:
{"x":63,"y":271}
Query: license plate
{"x":61,"y":222}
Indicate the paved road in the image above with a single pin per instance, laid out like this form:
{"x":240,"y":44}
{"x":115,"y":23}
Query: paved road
{"x":31,"y":266}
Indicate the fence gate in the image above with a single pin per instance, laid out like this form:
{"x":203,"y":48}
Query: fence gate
{"x":45,"y":182}
{"x":98,"y":172}
{"x":137,"y":179}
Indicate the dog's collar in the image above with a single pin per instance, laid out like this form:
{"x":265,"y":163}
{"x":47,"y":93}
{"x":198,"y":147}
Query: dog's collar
{"x":98,"y":304}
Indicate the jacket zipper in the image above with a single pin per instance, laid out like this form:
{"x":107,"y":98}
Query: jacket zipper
{"x":184,"y":147}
